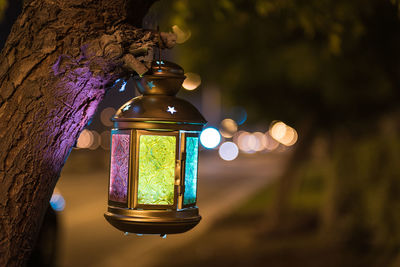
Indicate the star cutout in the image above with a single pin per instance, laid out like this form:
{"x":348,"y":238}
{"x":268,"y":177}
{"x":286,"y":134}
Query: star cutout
{"x":171,"y":110}
{"x":150,"y":84}
{"x":126,"y":107}
{"x":122,"y":87}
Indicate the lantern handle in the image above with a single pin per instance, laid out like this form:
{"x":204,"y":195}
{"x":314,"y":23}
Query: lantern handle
{"x":159,"y":47}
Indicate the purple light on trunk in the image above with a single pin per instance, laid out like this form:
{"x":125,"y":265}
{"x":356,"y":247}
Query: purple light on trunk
{"x":119,"y":170}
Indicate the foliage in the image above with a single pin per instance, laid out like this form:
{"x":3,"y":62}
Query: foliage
{"x":3,"y":8}
{"x":353,"y":184}
{"x":333,"y":61}
{"x":368,"y":190}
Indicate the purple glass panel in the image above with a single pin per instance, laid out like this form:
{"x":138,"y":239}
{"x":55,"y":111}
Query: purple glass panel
{"x":119,"y":169}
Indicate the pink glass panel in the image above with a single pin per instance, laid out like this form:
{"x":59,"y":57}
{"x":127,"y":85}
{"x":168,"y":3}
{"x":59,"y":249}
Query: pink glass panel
{"x":119,"y":170}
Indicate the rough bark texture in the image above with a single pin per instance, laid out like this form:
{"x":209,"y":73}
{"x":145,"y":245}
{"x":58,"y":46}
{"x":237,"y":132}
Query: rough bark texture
{"x":58,"y":61}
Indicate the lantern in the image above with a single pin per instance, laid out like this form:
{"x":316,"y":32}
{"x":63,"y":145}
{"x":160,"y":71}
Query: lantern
{"x":154,"y":157}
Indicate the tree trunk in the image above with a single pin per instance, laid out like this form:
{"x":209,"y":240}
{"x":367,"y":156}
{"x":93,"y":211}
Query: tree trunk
{"x":58,"y":62}
{"x":281,"y":207}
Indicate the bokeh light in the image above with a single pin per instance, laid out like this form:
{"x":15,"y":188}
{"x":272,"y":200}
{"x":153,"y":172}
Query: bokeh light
{"x":228,"y":151}
{"x":283,"y":133}
{"x":192,"y":81}
{"x":255,"y":142}
{"x":106,"y":115}
{"x":290,"y":138}
{"x":57,"y":201}
{"x":85,"y":139}
{"x":278,"y":130}
{"x":96,"y":140}
{"x":236,"y":136}
{"x":105,"y":140}
{"x":239,"y":114}
{"x":247,"y":142}
{"x":210,"y":137}
{"x":271,"y":143}
{"x":181,"y":36}
{"x":241,"y":140}
{"x":260,"y":141}
{"x":228,"y":128}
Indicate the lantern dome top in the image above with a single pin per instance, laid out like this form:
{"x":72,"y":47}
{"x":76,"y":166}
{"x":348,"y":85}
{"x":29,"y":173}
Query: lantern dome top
{"x":163,"y":108}
{"x":158,"y":104}
{"x":163,"y":78}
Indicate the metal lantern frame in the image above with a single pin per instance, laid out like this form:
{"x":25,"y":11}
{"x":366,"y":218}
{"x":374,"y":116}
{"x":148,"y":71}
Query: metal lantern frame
{"x":157,"y":113}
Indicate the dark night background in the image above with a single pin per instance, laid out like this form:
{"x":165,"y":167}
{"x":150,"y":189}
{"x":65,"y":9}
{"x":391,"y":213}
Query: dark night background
{"x":328,"y":68}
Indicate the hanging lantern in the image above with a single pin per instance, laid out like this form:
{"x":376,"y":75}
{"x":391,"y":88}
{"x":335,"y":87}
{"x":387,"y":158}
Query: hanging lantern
{"x":154,"y":157}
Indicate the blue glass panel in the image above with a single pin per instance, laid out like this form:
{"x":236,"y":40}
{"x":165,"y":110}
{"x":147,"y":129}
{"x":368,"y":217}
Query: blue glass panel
{"x":192,"y":154}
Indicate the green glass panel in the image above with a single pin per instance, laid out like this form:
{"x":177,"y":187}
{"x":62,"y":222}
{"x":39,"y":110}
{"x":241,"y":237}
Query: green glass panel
{"x":192,"y":154}
{"x":156,"y":169}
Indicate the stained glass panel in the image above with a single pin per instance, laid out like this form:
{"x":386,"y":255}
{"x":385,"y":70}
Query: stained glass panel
{"x":192,"y":148}
{"x":119,"y":170}
{"x":156,"y":169}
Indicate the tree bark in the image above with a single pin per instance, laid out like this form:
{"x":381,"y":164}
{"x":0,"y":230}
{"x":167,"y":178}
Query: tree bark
{"x":58,"y":62}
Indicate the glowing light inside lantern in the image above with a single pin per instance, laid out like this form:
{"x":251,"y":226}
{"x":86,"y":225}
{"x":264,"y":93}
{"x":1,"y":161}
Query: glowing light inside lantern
{"x":192,"y":152}
{"x":119,"y":172}
{"x":156,"y":170}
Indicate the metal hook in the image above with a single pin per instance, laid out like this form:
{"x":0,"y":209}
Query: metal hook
{"x":159,"y":47}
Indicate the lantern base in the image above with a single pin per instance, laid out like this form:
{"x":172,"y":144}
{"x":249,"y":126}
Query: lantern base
{"x":153,"y":221}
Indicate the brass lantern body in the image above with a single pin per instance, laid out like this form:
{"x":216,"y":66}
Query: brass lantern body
{"x":156,"y":113}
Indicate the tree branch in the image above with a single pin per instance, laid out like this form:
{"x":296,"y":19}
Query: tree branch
{"x":58,"y":62}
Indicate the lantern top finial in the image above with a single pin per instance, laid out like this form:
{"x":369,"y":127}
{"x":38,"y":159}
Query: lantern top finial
{"x":162,"y":68}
